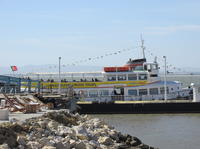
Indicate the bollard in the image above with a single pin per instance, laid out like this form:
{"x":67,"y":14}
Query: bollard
{"x":4,"y":114}
{"x":3,"y":103}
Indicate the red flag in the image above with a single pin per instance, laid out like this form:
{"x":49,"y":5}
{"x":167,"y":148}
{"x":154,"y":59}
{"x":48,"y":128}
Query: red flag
{"x":14,"y":68}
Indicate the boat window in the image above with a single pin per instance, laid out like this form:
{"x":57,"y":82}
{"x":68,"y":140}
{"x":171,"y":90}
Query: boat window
{"x":93,"y":93}
{"x":154,"y":75}
{"x":162,"y":90}
{"x":199,"y":90}
{"x":132,"y":76}
{"x":153,"y":91}
{"x":121,"y":77}
{"x":104,"y":92}
{"x":112,"y":78}
{"x":139,"y":68}
{"x":142,"y":76}
{"x":148,"y":67}
{"x":145,"y":67}
{"x":132,"y":92}
{"x":83,"y":93}
{"x":143,"y":92}
{"x":154,"y":67}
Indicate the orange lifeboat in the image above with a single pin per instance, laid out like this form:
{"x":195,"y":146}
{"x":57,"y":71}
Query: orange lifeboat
{"x":116,"y":69}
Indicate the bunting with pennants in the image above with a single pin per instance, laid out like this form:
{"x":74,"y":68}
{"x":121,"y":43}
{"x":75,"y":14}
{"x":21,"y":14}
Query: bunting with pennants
{"x":94,"y":58}
{"x":170,"y":67}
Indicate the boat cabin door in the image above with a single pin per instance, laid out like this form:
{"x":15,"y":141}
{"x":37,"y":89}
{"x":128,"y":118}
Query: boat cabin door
{"x":118,"y":93}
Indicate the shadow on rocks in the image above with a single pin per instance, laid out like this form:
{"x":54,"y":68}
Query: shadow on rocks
{"x":131,"y":142}
{"x":9,"y":133}
{"x":8,"y":136}
{"x":63,"y":117}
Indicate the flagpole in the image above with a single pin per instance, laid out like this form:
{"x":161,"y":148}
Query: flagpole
{"x":165,"y":78}
{"x":59,"y":87}
{"x":13,"y":73}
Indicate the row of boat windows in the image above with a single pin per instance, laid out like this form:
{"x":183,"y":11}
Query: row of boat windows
{"x":131,"y":77}
{"x":152,"y":91}
{"x":131,"y":92}
{"x":94,"y":93}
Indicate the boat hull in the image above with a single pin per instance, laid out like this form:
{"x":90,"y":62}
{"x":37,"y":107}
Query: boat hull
{"x":139,"y":108}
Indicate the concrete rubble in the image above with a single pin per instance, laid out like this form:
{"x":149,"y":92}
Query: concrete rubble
{"x":64,"y":130}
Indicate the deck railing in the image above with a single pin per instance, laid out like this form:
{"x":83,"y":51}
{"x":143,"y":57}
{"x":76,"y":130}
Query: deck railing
{"x":170,"y":96}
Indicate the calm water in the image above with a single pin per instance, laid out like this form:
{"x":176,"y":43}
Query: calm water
{"x":185,"y":79}
{"x":165,"y":131}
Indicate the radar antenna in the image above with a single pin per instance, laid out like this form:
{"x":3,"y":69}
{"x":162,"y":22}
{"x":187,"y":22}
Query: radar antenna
{"x":142,"y":46}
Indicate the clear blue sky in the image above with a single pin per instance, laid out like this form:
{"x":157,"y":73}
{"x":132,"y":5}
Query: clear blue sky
{"x":39,"y":31}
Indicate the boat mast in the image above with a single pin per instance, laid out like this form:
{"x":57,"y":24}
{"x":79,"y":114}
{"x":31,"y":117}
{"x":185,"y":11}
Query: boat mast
{"x":142,"y":46}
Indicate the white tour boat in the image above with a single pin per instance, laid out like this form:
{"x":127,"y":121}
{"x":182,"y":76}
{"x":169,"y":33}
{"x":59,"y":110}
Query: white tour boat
{"x":137,"y":80}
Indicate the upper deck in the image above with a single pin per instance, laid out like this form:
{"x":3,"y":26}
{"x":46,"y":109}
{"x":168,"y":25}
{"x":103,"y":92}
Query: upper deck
{"x":134,"y":70}
{"x":134,"y":73}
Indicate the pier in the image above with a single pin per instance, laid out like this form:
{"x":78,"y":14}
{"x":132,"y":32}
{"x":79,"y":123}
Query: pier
{"x":9,"y":84}
{"x":14,"y":90}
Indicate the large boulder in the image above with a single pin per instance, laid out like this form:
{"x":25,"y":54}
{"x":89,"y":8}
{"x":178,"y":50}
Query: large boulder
{"x":105,"y":140}
{"x":80,"y":145}
{"x":65,"y":131}
{"x":33,"y":145}
{"x":43,"y":123}
{"x":81,"y":132}
{"x":97,"y":122}
{"x":21,"y":140}
{"x":44,"y":141}
{"x":4,"y":146}
{"x":94,"y":143}
{"x":52,"y":125}
{"x":113,"y":134}
{"x":66,"y":145}
{"x":72,"y":143}
{"x":49,"y":147}
{"x":61,"y":145}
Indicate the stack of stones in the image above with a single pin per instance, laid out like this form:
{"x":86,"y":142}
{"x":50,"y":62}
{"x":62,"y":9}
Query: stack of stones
{"x":64,"y":130}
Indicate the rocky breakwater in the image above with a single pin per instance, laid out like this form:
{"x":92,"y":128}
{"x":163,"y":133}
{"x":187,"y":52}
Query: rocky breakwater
{"x":64,"y":130}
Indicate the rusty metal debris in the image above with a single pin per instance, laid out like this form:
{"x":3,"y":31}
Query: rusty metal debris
{"x":21,"y":103}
